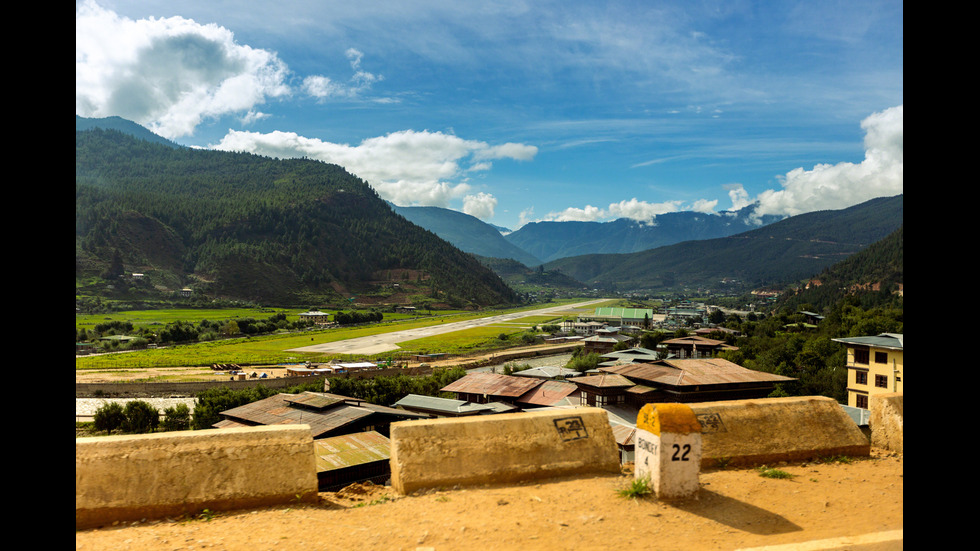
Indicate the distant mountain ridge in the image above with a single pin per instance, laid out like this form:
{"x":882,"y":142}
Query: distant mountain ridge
{"x":466,"y":232}
{"x":553,"y":240}
{"x":788,"y":250}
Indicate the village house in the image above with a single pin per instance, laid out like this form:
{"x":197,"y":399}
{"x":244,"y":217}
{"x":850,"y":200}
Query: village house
{"x":326,"y":414}
{"x":875,"y":365}
{"x":694,"y":380}
{"x":693,"y":346}
{"x":352,"y":458}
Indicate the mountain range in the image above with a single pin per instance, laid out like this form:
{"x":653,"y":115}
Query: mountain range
{"x":302,"y":231}
{"x":290,"y":232}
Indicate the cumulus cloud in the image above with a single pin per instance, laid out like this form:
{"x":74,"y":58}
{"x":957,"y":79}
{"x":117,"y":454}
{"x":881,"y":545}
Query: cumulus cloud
{"x":842,"y":185}
{"x":168,"y":74}
{"x":634,"y":209}
{"x":480,"y":205}
{"x":406,"y":167}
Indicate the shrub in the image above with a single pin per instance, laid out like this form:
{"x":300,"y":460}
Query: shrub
{"x":141,"y":417}
{"x":177,"y":417}
{"x":109,"y":417}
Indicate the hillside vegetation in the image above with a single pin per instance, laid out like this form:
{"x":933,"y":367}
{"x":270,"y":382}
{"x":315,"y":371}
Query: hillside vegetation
{"x":289,"y":232}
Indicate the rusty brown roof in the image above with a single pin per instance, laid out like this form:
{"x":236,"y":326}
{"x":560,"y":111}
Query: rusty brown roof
{"x":624,"y":434}
{"x":547,"y":393}
{"x":604,"y":380}
{"x":693,"y":371}
{"x":694,"y":339}
{"x":492,"y":384}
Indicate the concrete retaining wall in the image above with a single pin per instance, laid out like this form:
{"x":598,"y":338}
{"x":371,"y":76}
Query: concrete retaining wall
{"x":511,"y":447}
{"x":887,"y":421}
{"x":171,"y":474}
{"x":754,"y":432}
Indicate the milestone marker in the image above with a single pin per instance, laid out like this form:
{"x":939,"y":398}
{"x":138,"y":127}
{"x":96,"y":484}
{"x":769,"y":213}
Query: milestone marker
{"x":668,"y":449}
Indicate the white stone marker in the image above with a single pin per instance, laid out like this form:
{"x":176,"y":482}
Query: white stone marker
{"x":668,"y":449}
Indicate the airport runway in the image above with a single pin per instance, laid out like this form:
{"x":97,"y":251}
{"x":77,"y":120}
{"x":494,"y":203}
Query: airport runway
{"x":386,"y":342}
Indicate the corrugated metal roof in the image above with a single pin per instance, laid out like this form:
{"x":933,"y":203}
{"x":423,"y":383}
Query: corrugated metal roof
{"x":444,"y":405}
{"x":624,"y":434}
{"x":894,"y":341}
{"x":627,"y":313}
{"x":547,"y":393}
{"x":290,"y":409}
{"x":492,"y":384}
{"x":604,"y":380}
{"x":693,"y":372}
{"x":547,"y":372}
{"x":348,"y":450}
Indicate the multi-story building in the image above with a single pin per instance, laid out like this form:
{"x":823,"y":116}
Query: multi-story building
{"x":874,"y":366}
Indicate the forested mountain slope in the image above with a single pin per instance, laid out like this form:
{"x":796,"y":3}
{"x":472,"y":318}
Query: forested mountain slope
{"x":789,"y":250}
{"x":284,"y":232}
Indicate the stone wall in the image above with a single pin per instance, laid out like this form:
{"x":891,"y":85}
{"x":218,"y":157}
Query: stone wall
{"x":505,"y":448}
{"x":887,"y":421}
{"x":753,"y":432}
{"x":121,"y":478}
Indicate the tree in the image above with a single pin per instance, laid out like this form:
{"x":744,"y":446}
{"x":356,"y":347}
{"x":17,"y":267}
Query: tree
{"x":109,"y":417}
{"x":177,"y":417}
{"x":141,"y":417}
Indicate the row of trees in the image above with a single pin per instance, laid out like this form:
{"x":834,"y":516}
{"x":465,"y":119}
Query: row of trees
{"x":141,"y":417}
{"x":180,"y":331}
{"x":138,"y":417}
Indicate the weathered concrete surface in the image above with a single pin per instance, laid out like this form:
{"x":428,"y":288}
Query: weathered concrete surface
{"x":754,"y":432}
{"x":668,"y":449}
{"x":169,"y":474}
{"x":887,"y":421}
{"x":504,"y":448}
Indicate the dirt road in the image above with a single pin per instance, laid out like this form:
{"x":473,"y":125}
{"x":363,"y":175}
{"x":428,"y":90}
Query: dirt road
{"x":735,"y":509}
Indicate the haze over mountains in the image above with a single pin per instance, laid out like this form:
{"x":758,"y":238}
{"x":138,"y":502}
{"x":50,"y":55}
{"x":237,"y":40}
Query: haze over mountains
{"x":273,"y":232}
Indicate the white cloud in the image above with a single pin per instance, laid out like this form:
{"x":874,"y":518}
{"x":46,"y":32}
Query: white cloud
{"x":405,"y":167}
{"x":168,"y":74}
{"x":480,"y":205}
{"x":324,"y":88}
{"x":846,"y":184}
{"x":634,"y":209}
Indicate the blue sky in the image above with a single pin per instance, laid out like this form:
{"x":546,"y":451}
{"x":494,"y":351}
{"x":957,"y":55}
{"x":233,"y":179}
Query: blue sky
{"x":518,"y":111}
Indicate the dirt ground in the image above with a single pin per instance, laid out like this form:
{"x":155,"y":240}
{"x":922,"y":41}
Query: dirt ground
{"x":734,"y":509}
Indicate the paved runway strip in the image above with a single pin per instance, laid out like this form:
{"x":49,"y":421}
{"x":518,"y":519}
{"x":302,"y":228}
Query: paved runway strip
{"x":386,"y":342}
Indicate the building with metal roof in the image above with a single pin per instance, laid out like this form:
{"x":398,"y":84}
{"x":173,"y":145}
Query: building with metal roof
{"x":326,"y":414}
{"x":548,"y":393}
{"x":698,"y":380}
{"x":693,"y":346}
{"x":442,"y":407}
{"x":483,"y":387}
{"x":875,"y":365}
{"x":352,"y":458}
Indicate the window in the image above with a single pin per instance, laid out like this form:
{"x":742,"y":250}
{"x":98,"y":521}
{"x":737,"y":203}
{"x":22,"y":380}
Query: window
{"x":861,"y":377}
{"x":881,"y":357}
{"x":861,"y":356}
{"x":861,"y":401}
{"x":881,"y":381}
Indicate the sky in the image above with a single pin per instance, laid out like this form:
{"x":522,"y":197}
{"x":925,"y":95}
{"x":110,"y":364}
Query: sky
{"x":518,"y":111}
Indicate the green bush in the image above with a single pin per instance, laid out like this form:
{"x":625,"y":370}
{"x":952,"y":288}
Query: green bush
{"x":141,"y":417}
{"x":177,"y":417}
{"x":109,"y":417}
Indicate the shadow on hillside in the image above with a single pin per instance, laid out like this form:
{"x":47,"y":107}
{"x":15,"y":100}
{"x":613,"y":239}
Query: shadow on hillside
{"x":736,"y":514}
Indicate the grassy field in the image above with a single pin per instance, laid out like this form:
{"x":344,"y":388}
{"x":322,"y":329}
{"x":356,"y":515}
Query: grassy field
{"x":274,"y":349}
